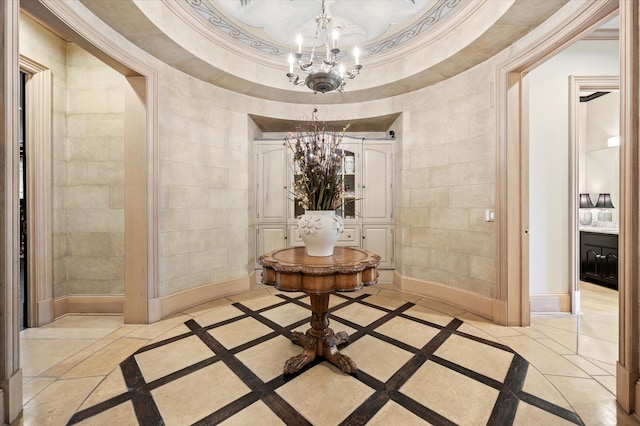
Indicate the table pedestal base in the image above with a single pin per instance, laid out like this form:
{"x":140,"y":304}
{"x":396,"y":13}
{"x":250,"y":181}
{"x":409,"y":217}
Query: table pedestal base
{"x":319,"y":340}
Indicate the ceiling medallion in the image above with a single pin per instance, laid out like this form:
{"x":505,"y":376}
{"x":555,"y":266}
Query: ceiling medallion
{"x":330,"y":74}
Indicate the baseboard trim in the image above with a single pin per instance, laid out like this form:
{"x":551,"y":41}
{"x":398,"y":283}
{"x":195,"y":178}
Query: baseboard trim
{"x":11,"y":402}
{"x":480,"y":305}
{"x":46,"y":312}
{"x":551,"y":303}
{"x":627,"y":389}
{"x":88,"y":304}
{"x":186,"y":299}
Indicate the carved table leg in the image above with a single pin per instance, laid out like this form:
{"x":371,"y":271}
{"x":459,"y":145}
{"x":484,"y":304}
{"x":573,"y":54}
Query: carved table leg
{"x":319,"y":340}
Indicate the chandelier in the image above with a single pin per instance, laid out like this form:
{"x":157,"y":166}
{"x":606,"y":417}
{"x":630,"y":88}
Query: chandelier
{"x":327,"y":73}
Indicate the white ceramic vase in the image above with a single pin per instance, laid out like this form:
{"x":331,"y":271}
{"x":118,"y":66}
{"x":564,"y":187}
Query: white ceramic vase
{"x":320,"y":230}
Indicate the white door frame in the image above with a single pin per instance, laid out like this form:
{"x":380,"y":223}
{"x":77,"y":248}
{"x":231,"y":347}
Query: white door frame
{"x":579,"y":84}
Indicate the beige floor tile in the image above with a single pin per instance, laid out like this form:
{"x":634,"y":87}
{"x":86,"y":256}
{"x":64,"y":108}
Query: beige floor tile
{"x":72,"y":326}
{"x":60,"y":369}
{"x":428,"y":314}
{"x":530,"y":331}
{"x":325,"y":383}
{"x":57,"y":402}
{"x":121,"y":415}
{"x":174,"y":332}
{"x":203,"y":308}
{"x":216,"y":315}
{"x":287,"y":314}
{"x":122,"y":331}
{"x":609,"y":382}
{"x":39,"y":355}
{"x":267,"y":359}
{"x":106,"y":359}
{"x":109,"y":387}
{"x":452,"y":311}
{"x":239,"y":332}
{"x":32,"y":387}
{"x":376,"y":357}
{"x":392,"y":414}
{"x":529,"y":415}
{"x":151,"y":331}
{"x":592,"y":401}
{"x":386,"y":302}
{"x":484,"y":359}
{"x":174,"y":356}
{"x":407,"y":331}
{"x":395,"y":294}
{"x":564,"y":322}
{"x":588,"y":366}
{"x":487,"y":326}
{"x":475,"y":331}
{"x":455,"y":392}
{"x":536,"y":384}
{"x":593,"y":348}
{"x":609,"y":367}
{"x":542,"y":358}
{"x":555,"y":346}
{"x":257,"y":412}
{"x":258,"y":303}
{"x":567,"y":339}
{"x":359,"y":314}
{"x":256,"y":293}
{"x":194,"y":396}
{"x":598,"y":330}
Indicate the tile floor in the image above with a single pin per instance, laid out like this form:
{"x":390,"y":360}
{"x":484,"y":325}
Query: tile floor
{"x":420,"y":362}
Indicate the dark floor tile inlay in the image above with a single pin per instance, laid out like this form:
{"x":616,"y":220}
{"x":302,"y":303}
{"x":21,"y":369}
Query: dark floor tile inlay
{"x":503,"y":413}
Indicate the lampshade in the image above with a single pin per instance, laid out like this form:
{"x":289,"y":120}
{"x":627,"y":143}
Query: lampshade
{"x":585,"y":201}
{"x":604,"y":201}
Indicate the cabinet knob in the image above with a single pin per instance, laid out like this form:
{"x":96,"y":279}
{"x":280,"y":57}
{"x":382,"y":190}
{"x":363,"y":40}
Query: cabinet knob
{"x":364,"y":186}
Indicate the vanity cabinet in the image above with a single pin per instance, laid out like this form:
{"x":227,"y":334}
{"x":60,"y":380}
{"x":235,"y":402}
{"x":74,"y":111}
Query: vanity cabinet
{"x":599,"y":258}
{"x":366,"y":208}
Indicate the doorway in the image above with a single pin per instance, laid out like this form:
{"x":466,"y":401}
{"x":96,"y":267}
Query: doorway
{"x":24,"y":286}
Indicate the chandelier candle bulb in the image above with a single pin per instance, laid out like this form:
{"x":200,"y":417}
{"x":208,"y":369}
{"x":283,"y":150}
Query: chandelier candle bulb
{"x":299,"y":42}
{"x":335,"y":36}
{"x":356,"y":55}
{"x":290,"y":63}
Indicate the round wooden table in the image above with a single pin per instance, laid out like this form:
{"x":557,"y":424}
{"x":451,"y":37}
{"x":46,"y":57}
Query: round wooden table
{"x":349,"y":269}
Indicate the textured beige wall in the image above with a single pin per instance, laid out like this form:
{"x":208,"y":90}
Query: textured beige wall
{"x":447,"y":183}
{"x":44,"y":47}
{"x":88,"y":168}
{"x":95,"y":175}
{"x":203,"y":188}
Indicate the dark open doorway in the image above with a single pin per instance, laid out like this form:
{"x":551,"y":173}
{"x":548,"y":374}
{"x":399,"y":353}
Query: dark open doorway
{"x":24,"y":305}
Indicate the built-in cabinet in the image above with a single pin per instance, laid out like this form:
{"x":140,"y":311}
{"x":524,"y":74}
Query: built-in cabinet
{"x":599,"y":258}
{"x":367,"y":207}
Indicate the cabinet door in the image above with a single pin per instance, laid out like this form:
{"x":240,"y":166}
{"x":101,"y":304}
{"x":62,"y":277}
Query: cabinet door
{"x":377,"y":177}
{"x":271,"y":183}
{"x":609,"y":261}
{"x":351,"y":176}
{"x":270,"y":238}
{"x":379,"y":240}
{"x":591,"y":264}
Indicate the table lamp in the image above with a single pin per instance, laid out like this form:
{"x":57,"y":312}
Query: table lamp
{"x":604,"y":203}
{"x":585,"y":215}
